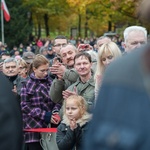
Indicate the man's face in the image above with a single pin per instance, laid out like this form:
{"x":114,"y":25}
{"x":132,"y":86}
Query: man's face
{"x":67,"y":54}
{"x":5,"y":57}
{"x":44,"y":52}
{"x":83,"y":66}
{"x":28,"y":49}
{"x":58,"y":44}
{"x":102,"y":41}
{"x":10,"y":69}
{"x":50,"y":52}
{"x":135,"y":40}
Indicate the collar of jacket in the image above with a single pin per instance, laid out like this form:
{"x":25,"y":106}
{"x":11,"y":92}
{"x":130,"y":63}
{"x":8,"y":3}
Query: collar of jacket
{"x":32,"y":76}
{"x":90,"y":81}
{"x":82,"y":121}
{"x":12,"y":78}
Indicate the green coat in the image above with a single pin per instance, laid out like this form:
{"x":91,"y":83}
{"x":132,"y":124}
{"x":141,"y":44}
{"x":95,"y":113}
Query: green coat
{"x":86,"y":90}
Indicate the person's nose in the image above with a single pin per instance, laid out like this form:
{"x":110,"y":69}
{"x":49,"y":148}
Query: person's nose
{"x":107,"y":61}
{"x":138,"y":45}
{"x":81,"y":66}
{"x":10,"y":69}
{"x":68,"y":56}
{"x":70,"y":111}
{"x":46,"y":73}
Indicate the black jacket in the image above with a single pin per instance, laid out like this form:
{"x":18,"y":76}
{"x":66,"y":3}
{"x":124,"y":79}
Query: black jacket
{"x":72,"y":140}
{"x":10,"y":118}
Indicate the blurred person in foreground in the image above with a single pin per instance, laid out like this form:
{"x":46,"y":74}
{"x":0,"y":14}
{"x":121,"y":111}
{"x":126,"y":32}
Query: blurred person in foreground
{"x":121,"y":118}
{"x":10,"y":118}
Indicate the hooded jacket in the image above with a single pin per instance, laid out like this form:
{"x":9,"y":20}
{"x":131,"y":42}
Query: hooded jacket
{"x":69,"y":140}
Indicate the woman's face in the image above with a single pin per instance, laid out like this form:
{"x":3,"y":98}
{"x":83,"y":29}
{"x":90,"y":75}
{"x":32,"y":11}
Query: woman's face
{"x":107,"y":58}
{"x":22,"y":71}
{"x":41,"y":72}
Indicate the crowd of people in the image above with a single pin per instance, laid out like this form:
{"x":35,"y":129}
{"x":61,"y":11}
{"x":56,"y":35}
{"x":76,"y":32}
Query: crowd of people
{"x":60,"y":83}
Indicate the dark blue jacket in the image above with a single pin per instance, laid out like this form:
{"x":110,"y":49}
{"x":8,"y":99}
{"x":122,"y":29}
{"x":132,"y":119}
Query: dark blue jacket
{"x":121,"y":118}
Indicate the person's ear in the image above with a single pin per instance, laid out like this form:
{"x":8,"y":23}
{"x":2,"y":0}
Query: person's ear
{"x":34,"y":68}
{"x":82,"y":110}
{"x":123,"y":45}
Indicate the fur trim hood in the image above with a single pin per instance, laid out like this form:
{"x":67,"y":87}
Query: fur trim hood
{"x":82,"y":121}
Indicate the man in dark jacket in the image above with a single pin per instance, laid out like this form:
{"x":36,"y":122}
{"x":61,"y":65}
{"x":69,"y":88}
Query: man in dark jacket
{"x":10,"y":70}
{"x":10,"y":118}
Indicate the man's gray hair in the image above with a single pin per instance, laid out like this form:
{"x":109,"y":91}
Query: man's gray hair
{"x":103,"y":37}
{"x":8,"y":60}
{"x":133,"y":28}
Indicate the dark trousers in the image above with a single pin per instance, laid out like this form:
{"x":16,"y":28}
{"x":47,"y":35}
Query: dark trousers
{"x":33,"y":146}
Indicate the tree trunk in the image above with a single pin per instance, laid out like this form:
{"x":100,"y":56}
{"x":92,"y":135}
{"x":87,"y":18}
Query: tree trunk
{"x":86,"y":27}
{"x":46,"y":24}
{"x":109,"y":26}
{"x":79,"y":26}
{"x":39,"y":30}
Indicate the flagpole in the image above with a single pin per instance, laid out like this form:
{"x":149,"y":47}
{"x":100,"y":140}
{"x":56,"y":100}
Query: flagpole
{"x":2,"y":24}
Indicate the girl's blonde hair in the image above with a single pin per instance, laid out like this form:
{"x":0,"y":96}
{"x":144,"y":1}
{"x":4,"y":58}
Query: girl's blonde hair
{"x":80,"y":101}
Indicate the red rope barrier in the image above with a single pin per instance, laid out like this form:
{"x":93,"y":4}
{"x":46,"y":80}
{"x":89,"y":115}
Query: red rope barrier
{"x":41,"y":130}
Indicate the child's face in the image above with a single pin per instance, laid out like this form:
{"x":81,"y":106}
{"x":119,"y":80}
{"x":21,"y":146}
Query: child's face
{"x":72,"y":110}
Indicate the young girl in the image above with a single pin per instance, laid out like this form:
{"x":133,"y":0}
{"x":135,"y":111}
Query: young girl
{"x":37,"y":108}
{"x":74,"y":124}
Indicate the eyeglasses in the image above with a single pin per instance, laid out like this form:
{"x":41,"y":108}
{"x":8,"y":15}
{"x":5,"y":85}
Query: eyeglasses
{"x":60,"y":45}
{"x":108,"y":57}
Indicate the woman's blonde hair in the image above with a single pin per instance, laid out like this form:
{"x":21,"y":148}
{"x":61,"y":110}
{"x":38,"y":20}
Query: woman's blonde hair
{"x":80,"y":101}
{"x":23,"y":63}
{"x":105,"y":48}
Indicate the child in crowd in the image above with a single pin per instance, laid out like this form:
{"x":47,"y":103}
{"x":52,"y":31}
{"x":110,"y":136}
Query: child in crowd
{"x":74,"y":124}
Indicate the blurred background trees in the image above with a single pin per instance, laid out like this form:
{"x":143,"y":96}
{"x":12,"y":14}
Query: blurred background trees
{"x":86,"y":18}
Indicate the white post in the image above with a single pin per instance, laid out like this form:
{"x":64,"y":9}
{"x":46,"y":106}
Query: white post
{"x":2,"y":25}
